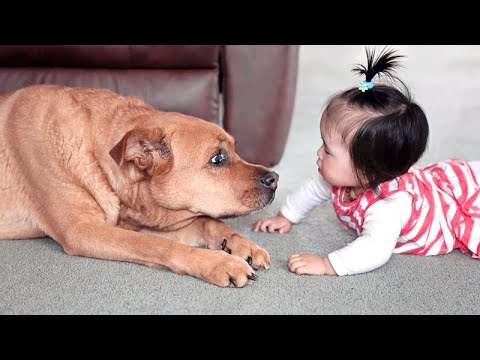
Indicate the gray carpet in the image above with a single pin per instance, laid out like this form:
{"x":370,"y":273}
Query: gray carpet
{"x":37,"y":277}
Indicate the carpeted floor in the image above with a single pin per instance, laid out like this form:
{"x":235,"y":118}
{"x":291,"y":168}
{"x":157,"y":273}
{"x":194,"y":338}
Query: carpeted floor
{"x":37,"y":277}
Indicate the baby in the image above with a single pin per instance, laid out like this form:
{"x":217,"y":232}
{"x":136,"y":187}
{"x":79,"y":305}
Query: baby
{"x":372,"y":135}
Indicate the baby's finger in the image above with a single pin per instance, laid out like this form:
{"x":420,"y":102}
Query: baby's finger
{"x":260,"y":225}
{"x":293,"y":265}
{"x":256,"y":226}
{"x":272,"y":228}
{"x":300,"y":269}
{"x":264,"y":226}
{"x":293,"y":257}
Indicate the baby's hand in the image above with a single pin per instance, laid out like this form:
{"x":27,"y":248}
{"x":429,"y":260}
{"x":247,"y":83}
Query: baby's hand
{"x":310,"y":264}
{"x":271,"y":224}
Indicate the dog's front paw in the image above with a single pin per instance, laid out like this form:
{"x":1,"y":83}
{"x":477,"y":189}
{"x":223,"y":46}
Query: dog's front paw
{"x":253,"y":254}
{"x":228,"y":271}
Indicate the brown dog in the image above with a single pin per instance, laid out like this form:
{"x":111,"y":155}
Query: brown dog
{"x":110,"y":177}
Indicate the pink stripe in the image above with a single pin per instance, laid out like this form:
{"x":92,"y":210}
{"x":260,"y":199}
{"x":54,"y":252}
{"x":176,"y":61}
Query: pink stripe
{"x":462,"y":182}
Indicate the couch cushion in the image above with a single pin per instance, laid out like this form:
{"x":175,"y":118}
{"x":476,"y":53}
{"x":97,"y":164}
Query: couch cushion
{"x":167,"y":90}
{"x":111,"y":56}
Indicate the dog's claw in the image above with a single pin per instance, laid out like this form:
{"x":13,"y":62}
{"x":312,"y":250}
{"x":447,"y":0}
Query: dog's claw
{"x":232,"y":281}
{"x":249,"y":260}
{"x":253,"y":277}
{"x":224,"y":247}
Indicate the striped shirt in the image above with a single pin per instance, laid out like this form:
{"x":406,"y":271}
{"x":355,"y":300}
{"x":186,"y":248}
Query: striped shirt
{"x":445,"y":209}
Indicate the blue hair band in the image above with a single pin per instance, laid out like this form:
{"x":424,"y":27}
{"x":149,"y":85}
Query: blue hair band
{"x":365,"y":85}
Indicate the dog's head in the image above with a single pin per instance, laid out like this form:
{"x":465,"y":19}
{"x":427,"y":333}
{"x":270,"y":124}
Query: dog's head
{"x":191,"y":164}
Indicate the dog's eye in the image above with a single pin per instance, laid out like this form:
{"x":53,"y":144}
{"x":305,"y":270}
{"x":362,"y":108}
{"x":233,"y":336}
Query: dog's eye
{"x":219,"y":159}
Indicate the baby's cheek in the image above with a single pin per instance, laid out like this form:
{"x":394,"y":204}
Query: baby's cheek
{"x":329,"y":178}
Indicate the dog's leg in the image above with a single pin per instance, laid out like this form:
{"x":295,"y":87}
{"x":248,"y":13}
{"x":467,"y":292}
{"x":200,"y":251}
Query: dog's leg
{"x":113,"y":243}
{"x":214,"y":234}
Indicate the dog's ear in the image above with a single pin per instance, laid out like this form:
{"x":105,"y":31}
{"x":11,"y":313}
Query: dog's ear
{"x":148,"y":149}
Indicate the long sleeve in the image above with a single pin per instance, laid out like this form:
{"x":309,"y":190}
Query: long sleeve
{"x":383,"y":223}
{"x":313,"y":192}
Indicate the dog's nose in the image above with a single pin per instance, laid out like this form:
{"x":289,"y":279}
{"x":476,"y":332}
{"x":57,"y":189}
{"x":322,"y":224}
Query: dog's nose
{"x":270,"y":180}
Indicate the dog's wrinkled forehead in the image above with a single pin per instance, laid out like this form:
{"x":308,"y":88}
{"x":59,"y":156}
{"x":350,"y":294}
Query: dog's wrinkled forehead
{"x":224,"y":137}
{"x":222,"y":140}
{"x":203,"y":134}
{"x":216,"y":131}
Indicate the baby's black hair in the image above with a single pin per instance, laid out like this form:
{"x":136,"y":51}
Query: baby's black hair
{"x":386,"y":130}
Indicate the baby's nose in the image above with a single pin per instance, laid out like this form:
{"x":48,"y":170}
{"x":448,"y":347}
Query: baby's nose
{"x":319,"y":153}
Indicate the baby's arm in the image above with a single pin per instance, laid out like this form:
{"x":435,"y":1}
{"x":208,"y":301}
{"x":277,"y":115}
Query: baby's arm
{"x":312,"y":193}
{"x":383,"y":223}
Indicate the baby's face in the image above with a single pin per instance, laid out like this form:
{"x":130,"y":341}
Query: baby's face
{"x":334,"y":161}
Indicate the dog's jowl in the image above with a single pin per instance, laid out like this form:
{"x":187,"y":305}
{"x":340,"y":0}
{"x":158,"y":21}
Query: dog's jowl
{"x":110,"y":177}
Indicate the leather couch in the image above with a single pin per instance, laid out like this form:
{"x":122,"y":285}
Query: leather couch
{"x":248,"y":89}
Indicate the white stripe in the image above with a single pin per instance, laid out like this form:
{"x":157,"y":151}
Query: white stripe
{"x":393,"y":185}
{"x":446,"y":225}
{"x":461,"y":226}
{"x":348,"y":219}
{"x":435,"y":249}
{"x":363,"y":203}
